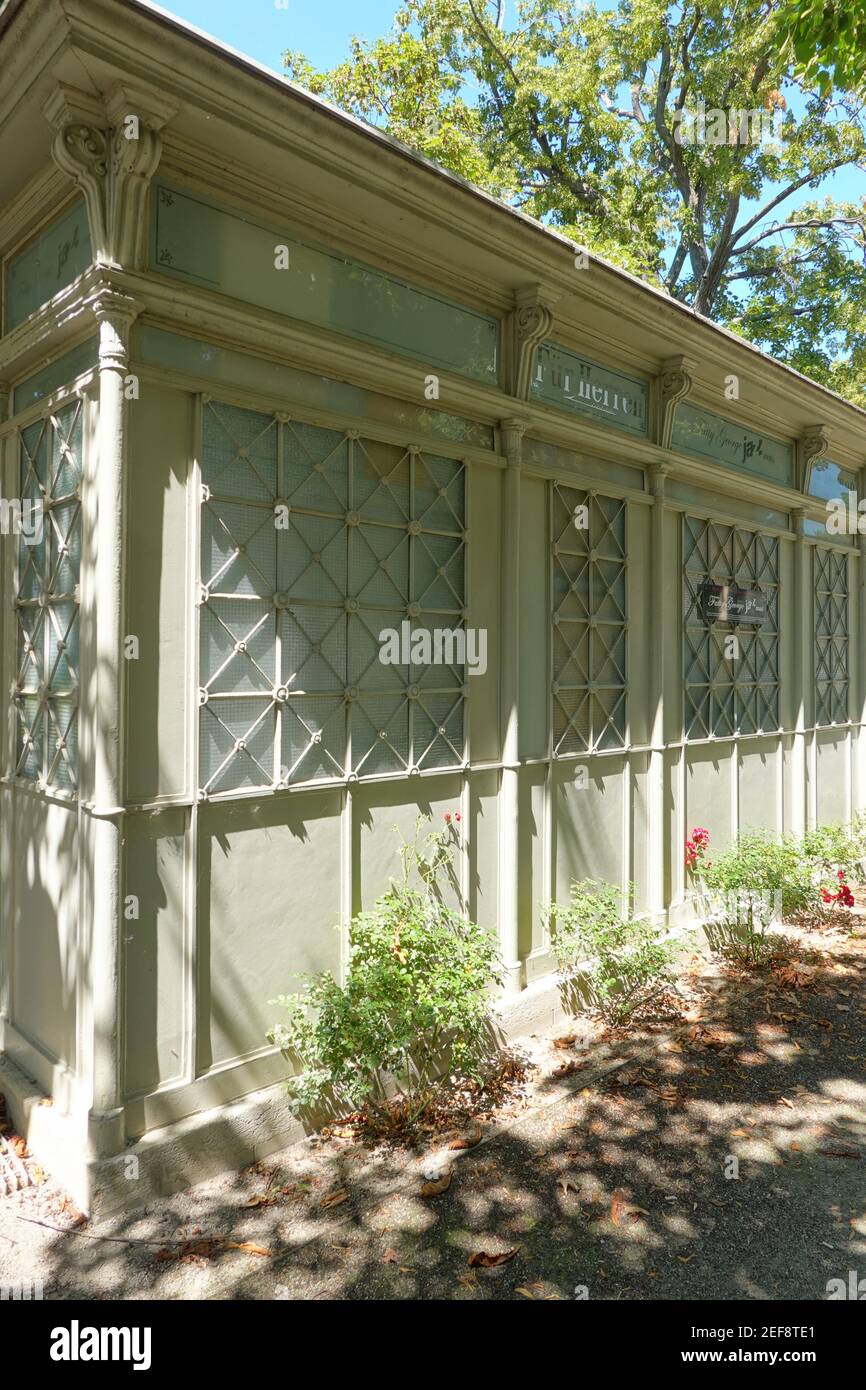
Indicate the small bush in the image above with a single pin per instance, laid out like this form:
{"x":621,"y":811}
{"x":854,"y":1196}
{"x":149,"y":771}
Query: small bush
{"x":747,"y":887}
{"x":415,"y":998}
{"x":631,"y":963}
{"x":836,"y":853}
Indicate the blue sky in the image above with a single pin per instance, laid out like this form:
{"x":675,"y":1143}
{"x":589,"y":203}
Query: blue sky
{"x":263,"y":30}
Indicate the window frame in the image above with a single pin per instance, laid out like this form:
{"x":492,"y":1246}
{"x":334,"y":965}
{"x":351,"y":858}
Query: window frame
{"x":212,"y":786}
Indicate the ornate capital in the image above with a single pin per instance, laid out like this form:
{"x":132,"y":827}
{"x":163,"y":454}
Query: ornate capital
{"x":812,"y":445}
{"x":673,"y":384}
{"x":111,"y":152}
{"x":657,"y":473}
{"x":115,"y":314}
{"x":512,"y":432}
{"x":530,"y":321}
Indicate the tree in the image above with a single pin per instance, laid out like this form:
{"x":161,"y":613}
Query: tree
{"x":827,"y":39}
{"x":673,"y":139}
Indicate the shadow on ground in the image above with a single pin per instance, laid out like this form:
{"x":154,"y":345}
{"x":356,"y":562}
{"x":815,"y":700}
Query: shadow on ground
{"x":725,"y":1158}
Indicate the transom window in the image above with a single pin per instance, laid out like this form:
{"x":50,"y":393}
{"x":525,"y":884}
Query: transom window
{"x":731,"y":672}
{"x":831,"y":636}
{"x":589,"y":621}
{"x":46,"y":690}
{"x":314,"y":543}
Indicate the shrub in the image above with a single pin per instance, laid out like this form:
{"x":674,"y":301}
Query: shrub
{"x":630,"y":961}
{"x":744,"y":889}
{"x":836,"y":853}
{"x":415,"y":997}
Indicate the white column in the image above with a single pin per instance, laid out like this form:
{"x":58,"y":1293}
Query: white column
{"x":801,"y":666}
{"x":657,"y":838}
{"x":857,"y":668}
{"x":512,"y":434}
{"x":115,"y":314}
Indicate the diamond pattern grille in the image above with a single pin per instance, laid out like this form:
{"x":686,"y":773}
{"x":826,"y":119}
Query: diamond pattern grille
{"x":831,"y":636}
{"x":45,"y":696}
{"x":590,"y":621}
{"x":724,"y":695}
{"x":313,"y":542}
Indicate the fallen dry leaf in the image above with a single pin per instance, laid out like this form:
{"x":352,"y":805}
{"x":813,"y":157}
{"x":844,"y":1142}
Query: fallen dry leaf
{"x":390,"y":1257}
{"x":484,"y":1259}
{"x":334,"y":1199}
{"x":568,"y":1068}
{"x":621,"y":1209}
{"x":247,"y":1247}
{"x":567,"y":1041}
{"x":467,"y":1140}
{"x":436,"y":1186}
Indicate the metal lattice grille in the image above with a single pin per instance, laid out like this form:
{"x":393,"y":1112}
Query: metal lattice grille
{"x":731,"y":687}
{"x":831,"y":636}
{"x":314,"y":542}
{"x":45,"y":696}
{"x":589,"y":621}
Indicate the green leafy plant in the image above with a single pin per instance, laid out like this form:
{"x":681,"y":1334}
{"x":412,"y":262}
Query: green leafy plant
{"x":745,"y":888}
{"x":831,"y":848}
{"x":412,"y":1015}
{"x":630,"y":962}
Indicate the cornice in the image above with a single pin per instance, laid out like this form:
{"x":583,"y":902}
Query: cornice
{"x":201,"y":313}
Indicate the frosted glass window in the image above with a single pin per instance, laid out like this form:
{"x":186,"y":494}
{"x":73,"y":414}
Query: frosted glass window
{"x":590,"y":621}
{"x":314,"y":542}
{"x":730,"y":687}
{"x":45,"y":696}
{"x":831,"y":636}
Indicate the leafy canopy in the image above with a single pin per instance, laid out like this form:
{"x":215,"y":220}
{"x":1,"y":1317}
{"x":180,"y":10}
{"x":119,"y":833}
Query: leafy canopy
{"x":583,"y":117}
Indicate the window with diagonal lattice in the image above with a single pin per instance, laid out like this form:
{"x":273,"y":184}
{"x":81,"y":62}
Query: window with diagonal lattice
{"x":590,"y":621}
{"x":46,"y":690}
{"x":314,"y":543}
{"x":831,"y":636}
{"x":731,"y":673}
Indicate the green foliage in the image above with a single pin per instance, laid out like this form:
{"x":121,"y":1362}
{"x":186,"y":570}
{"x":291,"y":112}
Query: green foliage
{"x":415,"y":997}
{"x":571,"y":113}
{"x":630,"y":961}
{"x":828,"y":41}
{"x":830,"y":848}
{"x":747,"y":887}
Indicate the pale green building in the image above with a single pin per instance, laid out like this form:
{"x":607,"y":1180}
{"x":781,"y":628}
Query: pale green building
{"x":271,"y":385}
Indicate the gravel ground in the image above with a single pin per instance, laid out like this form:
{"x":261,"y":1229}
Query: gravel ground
{"x":720,"y":1155}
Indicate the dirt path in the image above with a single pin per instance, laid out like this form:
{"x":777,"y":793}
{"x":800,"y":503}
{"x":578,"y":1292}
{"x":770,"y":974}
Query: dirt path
{"x":719,"y":1156}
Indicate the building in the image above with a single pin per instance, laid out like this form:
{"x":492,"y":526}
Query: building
{"x":272,"y":385}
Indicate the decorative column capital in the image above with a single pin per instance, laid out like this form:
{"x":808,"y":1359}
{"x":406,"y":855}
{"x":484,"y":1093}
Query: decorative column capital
{"x":658,"y":472}
{"x":111,"y":152}
{"x":673,"y":383}
{"x":531,"y":320}
{"x":115,"y":313}
{"x":512,"y":432}
{"x":812,"y":446}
